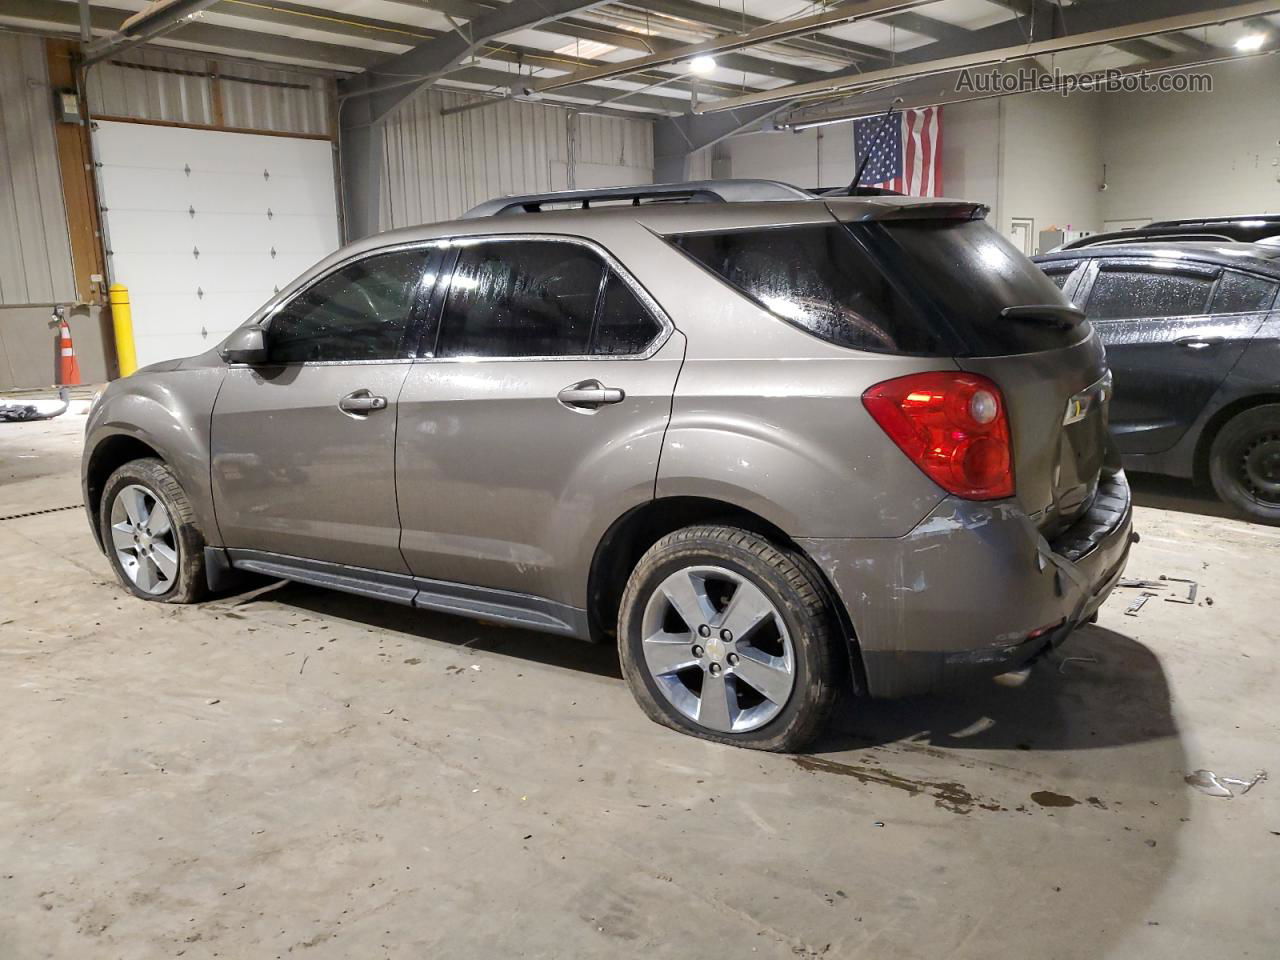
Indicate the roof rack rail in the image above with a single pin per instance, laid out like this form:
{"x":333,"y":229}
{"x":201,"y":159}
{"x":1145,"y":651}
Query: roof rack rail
{"x":695,"y":191}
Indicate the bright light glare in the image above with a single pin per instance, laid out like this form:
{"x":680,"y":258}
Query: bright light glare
{"x":1251,"y":41}
{"x":702,"y":65}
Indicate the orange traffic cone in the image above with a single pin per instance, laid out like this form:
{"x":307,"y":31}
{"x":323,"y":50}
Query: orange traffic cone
{"x":68,"y":367}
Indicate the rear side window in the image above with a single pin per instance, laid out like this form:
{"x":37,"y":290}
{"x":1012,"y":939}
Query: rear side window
{"x":359,"y":312}
{"x":521,"y":298}
{"x":1243,"y":293}
{"x":1130,"y":293}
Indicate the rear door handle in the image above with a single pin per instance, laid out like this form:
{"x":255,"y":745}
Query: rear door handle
{"x":360,"y":403}
{"x":1199,"y":343}
{"x":590,"y":394}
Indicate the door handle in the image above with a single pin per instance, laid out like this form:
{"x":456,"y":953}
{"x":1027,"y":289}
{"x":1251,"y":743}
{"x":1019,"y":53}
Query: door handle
{"x":1198,"y":343}
{"x":360,"y":403}
{"x":589,"y":394}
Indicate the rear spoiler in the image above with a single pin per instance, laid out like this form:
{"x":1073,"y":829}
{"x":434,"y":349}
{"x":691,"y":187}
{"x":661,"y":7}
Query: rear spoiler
{"x":866,"y":211}
{"x":1062,"y":318}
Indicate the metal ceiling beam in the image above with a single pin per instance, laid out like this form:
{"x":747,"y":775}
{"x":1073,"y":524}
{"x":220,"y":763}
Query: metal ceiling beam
{"x":436,"y":56}
{"x":941,"y":90}
{"x":391,"y":31}
{"x":1142,"y":48}
{"x":845,"y":12}
{"x":1191,"y":42}
{"x":694,"y":14}
{"x":1104,"y":36}
{"x":927,"y":26}
{"x":267,"y":46}
{"x":386,"y":31}
{"x":140,"y":27}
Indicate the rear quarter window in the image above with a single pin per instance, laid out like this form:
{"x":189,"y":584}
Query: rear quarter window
{"x":821,"y":280}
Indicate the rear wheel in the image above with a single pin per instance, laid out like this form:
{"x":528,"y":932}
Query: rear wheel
{"x":725,"y":636}
{"x":1244,"y":463}
{"x":150,"y":534}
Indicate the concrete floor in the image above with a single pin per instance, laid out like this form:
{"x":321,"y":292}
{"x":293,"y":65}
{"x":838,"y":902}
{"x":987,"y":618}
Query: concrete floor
{"x":294,"y":771}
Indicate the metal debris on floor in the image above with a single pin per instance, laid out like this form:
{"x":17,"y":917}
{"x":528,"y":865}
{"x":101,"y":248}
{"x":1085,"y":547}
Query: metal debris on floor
{"x":1138,"y":603}
{"x":1208,"y":782}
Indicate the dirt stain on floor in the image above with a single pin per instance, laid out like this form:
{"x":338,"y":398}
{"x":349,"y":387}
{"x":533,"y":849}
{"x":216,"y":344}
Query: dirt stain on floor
{"x":1047,"y":798}
{"x":948,"y":795}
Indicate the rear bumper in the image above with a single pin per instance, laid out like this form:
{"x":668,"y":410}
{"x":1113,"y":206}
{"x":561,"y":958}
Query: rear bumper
{"x":974,"y":589}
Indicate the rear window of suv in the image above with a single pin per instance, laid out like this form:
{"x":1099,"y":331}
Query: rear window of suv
{"x":919,"y":287}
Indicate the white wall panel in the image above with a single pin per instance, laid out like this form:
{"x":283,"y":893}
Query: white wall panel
{"x":439,"y":166}
{"x":35,"y":250}
{"x":203,"y":225}
{"x":153,"y":85}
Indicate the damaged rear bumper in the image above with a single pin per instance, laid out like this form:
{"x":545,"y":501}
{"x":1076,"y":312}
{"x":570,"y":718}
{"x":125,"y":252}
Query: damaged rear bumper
{"x":974,"y":589}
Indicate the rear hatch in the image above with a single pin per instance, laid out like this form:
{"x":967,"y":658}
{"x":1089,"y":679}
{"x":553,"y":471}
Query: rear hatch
{"x":1004,"y":319}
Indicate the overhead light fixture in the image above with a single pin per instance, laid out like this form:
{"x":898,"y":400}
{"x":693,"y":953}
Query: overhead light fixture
{"x":1251,"y":42}
{"x":702,"y":66}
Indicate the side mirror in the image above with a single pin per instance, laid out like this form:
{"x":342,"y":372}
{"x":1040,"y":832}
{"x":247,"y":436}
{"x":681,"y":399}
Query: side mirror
{"x":246,"y":345}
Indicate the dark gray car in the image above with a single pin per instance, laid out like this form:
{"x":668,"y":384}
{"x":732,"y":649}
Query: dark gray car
{"x":768,"y":444}
{"x":1192,"y":332}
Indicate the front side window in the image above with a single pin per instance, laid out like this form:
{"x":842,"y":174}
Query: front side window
{"x":1243,"y":293}
{"x":521,"y":298}
{"x":361,"y":311}
{"x":1130,"y":293}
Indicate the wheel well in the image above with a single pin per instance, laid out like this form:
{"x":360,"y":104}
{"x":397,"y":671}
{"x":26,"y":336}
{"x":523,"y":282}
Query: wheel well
{"x":1217,"y":422}
{"x":108,"y":456}
{"x":635,"y":532}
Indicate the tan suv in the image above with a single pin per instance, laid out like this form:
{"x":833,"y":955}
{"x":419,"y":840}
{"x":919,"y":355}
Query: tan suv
{"x":770,"y":444}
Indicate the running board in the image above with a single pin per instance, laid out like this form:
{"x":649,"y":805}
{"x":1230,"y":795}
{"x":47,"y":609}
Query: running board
{"x":481,"y":603}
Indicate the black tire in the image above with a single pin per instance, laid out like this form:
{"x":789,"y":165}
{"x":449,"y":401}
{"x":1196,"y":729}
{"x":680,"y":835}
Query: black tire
{"x":1243,"y":463}
{"x":189,"y":585}
{"x":786,"y":583}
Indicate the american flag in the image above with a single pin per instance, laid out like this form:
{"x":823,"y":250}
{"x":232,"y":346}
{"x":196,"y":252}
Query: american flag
{"x":904,"y":150}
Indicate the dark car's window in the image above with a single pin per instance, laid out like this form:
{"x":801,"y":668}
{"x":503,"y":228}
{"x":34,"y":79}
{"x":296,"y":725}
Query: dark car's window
{"x":1129,"y":293}
{"x":820,"y":279}
{"x":623,"y":325}
{"x":1060,"y":271}
{"x":521,"y":298}
{"x":359,"y":312}
{"x":1243,"y":293}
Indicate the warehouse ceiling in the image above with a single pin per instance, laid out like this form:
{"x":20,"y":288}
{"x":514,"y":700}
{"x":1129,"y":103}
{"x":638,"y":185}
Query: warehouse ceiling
{"x":649,"y":57}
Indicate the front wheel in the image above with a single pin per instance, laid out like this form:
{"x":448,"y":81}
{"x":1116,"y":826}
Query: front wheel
{"x":1244,"y":463}
{"x":150,"y":533}
{"x":725,"y":636}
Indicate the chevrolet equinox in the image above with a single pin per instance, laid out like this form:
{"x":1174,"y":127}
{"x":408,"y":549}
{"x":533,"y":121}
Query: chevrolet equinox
{"x":772,"y":445}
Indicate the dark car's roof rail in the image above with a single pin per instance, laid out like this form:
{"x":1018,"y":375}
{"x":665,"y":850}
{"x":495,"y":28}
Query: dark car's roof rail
{"x":695,"y":191}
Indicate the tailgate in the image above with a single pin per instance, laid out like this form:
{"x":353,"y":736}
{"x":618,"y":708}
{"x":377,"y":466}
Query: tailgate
{"x":1057,"y":402}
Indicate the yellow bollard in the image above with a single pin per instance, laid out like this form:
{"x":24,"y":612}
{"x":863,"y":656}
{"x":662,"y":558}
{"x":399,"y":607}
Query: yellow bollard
{"x":122,"y":322}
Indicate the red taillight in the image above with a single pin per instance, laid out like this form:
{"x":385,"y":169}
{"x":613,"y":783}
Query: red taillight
{"x":953,"y":426}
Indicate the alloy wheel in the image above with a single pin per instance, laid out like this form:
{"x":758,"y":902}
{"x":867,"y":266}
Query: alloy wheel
{"x":718,"y":649}
{"x":144,"y":540}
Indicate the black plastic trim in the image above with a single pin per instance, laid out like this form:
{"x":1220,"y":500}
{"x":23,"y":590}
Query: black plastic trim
{"x":482,"y":603}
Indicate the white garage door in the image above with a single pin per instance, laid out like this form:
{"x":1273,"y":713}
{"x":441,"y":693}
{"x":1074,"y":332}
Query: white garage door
{"x":203,"y":226}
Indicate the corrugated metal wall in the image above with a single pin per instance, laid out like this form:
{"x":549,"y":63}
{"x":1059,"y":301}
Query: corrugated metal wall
{"x":35,"y":250}
{"x":153,"y":85}
{"x":439,"y":166}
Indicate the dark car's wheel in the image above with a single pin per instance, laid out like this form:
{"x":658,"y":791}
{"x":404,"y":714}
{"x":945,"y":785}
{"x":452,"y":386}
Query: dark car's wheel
{"x":150,"y":533}
{"x":1244,"y":463}
{"x":725,"y":636}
